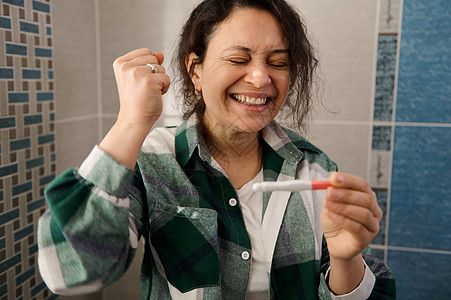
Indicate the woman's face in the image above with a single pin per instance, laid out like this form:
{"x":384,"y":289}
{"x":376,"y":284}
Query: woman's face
{"x":245,"y":76}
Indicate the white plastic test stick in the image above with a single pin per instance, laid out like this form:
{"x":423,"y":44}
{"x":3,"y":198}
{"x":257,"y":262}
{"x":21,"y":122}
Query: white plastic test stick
{"x":290,"y":185}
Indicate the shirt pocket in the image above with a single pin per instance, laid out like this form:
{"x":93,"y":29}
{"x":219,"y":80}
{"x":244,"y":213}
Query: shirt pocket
{"x":186,"y":242}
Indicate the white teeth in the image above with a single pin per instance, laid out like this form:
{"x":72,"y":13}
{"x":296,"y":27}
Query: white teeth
{"x":250,"y":100}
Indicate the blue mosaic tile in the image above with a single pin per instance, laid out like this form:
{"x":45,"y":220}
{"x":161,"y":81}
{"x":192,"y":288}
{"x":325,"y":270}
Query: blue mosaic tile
{"x":8,"y":170}
{"x":41,"y":6}
{"x":7,"y":122}
{"x":16,"y":49}
{"x":34,"y":205}
{"x":37,"y":289}
{"x":31,"y":74}
{"x":28,"y":52}
{"x":18,"y":97}
{"x":22,"y":188}
{"x":6,"y":73}
{"x":44,"y":96}
{"x":21,"y":278}
{"x":15,"y":145}
{"x":34,"y":162}
{"x":3,"y":289}
{"x":381,"y":138}
{"x":385,"y":77}
{"x":382,"y":201}
{"x":10,"y":262}
{"x":9,"y":216}
{"x":33,"y":249}
{"x":421,"y":276}
{"x":5,"y":23}
{"x":40,"y":52}
{"x":424,"y":74}
{"x":32,"y":119}
{"x":46,"y":179}
{"x":29,"y":27}
{"x":419,"y":188}
{"x":14,"y":2}
{"x":45,"y":139}
{"x":23,"y":233}
{"x":52,"y":297}
{"x":379,"y":253}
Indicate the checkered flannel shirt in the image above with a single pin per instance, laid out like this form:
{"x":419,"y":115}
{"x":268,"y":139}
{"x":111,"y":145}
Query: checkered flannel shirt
{"x":196,"y":244}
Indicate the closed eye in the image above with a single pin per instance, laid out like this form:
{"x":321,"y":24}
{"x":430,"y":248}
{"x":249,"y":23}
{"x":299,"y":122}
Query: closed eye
{"x":238,"y":61}
{"x":278,"y":64}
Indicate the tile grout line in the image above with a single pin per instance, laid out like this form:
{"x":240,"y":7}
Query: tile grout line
{"x":99,"y":72}
{"x":380,"y":123}
{"x":373,"y":93}
{"x":410,"y":249}
{"x":75,"y":119}
{"x":393,"y":125}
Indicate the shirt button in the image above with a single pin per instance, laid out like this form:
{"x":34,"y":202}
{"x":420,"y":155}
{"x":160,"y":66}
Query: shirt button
{"x":232,"y":202}
{"x":245,"y":255}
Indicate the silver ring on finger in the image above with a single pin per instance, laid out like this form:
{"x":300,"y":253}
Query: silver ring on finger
{"x":153,"y":67}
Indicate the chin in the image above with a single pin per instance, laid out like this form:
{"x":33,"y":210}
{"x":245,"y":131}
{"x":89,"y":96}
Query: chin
{"x":251,"y":125}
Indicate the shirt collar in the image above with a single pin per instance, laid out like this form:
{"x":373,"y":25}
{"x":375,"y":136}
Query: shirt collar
{"x":284,"y":142}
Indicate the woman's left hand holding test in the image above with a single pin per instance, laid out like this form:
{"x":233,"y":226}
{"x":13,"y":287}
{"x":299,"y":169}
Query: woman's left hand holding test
{"x":350,"y":220}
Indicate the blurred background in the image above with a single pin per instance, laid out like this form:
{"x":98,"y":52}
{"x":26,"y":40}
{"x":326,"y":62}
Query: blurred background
{"x":385,"y":66}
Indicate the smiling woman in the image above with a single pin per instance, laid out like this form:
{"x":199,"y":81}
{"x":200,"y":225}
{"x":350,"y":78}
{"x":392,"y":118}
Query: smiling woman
{"x":243,"y":65}
{"x":186,"y":190}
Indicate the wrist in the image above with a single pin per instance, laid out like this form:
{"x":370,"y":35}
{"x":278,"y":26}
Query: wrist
{"x":124,"y":140}
{"x":134,"y":125}
{"x":345,"y":274}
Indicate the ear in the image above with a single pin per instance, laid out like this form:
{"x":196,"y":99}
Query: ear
{"x":195,"y":70}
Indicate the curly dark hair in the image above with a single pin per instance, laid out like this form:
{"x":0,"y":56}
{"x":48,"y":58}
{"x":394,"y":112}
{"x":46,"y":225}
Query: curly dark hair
{"x":200,"y":27}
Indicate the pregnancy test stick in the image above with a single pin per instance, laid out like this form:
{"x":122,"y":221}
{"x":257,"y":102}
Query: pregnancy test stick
{"x":290,"y":185}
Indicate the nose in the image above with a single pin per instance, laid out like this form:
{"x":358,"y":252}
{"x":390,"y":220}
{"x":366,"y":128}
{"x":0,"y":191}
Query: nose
{"x":258,"y":75}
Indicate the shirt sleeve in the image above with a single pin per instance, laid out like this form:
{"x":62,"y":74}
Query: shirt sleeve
{"x":363,"y":291}
{"x":378,"y":281}
{"x":88,"y":236}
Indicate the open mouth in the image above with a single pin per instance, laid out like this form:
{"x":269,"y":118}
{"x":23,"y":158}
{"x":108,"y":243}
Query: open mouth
{"x":254,"y":101}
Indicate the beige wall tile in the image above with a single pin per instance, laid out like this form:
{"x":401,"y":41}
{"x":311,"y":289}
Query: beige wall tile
{"x":346,"y":35}
{"x":94,"y":296}
{"x":347,"y":145}
{"x":128,"y":286}
{"x":107,"y":123}
{"x":74,"y":141}
{"x":75,"y":64}
{"x":124,"y":26}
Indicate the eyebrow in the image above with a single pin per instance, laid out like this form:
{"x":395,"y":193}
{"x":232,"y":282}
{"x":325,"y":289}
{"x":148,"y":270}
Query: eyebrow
{"x":245,"y":49}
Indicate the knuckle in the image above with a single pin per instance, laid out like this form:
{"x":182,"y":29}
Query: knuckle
{"x":365,"y":186}
{"x":380,"y":213}
{"x":117,"y":63}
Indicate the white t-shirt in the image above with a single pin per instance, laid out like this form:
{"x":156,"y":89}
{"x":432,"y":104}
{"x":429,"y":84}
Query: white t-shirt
{"x":251,"y":207}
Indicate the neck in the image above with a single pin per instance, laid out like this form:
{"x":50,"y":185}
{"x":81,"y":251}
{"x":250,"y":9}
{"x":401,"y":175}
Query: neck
{"x":233,"y":145}
{"x":234,"y":149}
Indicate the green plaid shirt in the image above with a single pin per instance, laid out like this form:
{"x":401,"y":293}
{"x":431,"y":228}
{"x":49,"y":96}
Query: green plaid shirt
{"x":196,"y":243}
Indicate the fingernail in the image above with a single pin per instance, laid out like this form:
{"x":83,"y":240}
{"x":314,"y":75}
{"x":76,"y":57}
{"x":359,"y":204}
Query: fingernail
{"x":339,"y":178}
{"x":333,"y":192}
{"x":331,"y":204}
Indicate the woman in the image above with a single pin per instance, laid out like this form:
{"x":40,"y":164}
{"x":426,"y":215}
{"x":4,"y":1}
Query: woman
{"x":207,"y":235}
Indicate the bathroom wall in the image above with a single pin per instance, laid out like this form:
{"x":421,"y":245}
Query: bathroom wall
{"x":385,"y":69}
{"x":419,"y":239}
{"x":27,"y":141}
